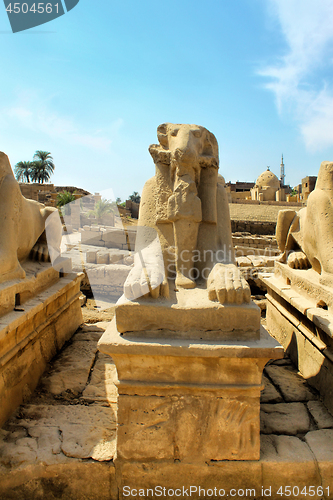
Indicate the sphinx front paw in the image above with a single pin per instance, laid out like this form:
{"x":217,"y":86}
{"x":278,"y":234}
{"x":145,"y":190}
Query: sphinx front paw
{"x":226,"y":285}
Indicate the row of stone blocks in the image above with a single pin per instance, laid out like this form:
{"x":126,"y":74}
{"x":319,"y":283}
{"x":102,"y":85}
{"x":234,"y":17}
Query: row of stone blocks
{"x":105,"y":257}
{"x":260,"y":241}
{"x":43,"y":312}
{"x":110,"y":238}
{"x":288,"y":466}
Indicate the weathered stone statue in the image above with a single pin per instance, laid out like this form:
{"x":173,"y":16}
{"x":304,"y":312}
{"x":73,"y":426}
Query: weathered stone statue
{"x":186,"y":204}
{"x":300,"y":292}
{"x":22,"y":224}
{"x":188,"y":347}
{"x":305,"y":237}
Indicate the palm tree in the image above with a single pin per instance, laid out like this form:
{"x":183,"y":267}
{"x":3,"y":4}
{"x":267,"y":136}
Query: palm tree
{"x":23,"y":170}
{"x":135,"y":197}
{"x":63,"y":199}
{"x":103,"y":207}
{"x":43,"y":166}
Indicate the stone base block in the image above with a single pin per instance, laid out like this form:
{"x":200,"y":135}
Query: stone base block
{"x":198,"y":427}
{"x":188,"y":314}
{"x":188,"y":400}
{"x":32,"y":333}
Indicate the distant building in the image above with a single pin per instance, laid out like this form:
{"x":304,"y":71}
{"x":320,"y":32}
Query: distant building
{"x":308,"y":185}
{"x":266,"y":187}
{"x":239,"y":190}
{"x":269,"y":188}
{"x":239,"y":187}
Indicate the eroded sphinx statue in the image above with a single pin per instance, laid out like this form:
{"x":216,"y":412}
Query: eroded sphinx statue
{"x":22,"y":224}
{"x":185,"y":203}
{"x":306,"y":237}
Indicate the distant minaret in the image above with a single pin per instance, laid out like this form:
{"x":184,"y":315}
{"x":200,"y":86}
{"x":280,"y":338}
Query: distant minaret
{"x":282,"y":176}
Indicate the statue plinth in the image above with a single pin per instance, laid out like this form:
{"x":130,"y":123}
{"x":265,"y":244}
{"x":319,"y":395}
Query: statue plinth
{"x":192,"y":400}
{"x":188,"y":314}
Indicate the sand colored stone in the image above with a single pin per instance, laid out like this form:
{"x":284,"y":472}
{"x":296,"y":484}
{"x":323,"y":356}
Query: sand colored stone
{"x":291,"y":385}
{"x":288,"y":461}
{"x":299,"y":316}
{"x":270,"y":394}
{"x":32,"y":333}
{"x":321,"y":445}
{"x":22,"y":226}
{"x":71,"y":370}
{"x":74,"y":431}
{"x":101,"y":385}
{"x":188,"y":348}
{"x":184,"y":210}
{"x":194,"y":401}
{"x":321,"y":416}
{"x":306,"y":237}
{"x":33,"y":464}
{"x":283,"y":418}
{"x":188,"y":314}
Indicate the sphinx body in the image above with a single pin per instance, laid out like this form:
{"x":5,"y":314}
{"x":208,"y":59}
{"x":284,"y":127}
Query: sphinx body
{"x":186,"y":205}
{"x":305,"y":238}
{"x":22,"y":226}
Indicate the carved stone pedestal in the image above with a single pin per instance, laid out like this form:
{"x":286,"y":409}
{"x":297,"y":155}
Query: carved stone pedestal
{"x":189,"y":400}
{"x":300,"y":316}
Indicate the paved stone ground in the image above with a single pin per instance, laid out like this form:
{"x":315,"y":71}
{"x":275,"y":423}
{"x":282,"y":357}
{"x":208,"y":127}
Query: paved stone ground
{"x":72,"y":414}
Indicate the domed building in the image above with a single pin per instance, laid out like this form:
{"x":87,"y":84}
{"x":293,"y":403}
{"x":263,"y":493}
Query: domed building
{"x":266,"y":187}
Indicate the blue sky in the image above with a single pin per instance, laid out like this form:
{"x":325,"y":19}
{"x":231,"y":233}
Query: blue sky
{"x":92,"y":86}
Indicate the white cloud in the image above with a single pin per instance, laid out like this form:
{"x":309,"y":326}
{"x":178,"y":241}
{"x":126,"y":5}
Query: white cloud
{"x":28,"y":114}
{"x":307,"y":29}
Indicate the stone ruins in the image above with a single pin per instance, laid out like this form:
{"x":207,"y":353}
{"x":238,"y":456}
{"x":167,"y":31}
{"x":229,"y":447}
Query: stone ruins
{"x":39,"y":305}
{"x":300,"y":293}
{"x":184,"y":388}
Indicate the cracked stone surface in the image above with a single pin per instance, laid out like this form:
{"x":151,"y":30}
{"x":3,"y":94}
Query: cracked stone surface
{"x":320,"y":414}
{"x":75,"y":431}
{"x":101,"y":386}
{"x":292,"y":386}
{"x":270,"y":394}
{"x":57,"y":426}
{"x":283,"y":418}
{"x":321,"y":444}
{"x":71,"y":370}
